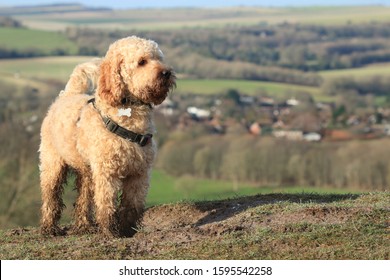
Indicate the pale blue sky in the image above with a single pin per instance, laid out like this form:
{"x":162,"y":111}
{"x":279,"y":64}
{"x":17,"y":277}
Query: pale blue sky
{"x":196,"y":3}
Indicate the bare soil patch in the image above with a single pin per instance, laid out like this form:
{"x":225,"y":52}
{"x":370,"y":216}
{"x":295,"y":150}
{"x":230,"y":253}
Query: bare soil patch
{"x":275,"y":226}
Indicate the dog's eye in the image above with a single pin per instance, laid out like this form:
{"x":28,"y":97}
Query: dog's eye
{"x":142,"y":62}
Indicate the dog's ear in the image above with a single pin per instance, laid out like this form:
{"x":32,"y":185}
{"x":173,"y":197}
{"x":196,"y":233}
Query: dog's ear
{"x":111,"y":85}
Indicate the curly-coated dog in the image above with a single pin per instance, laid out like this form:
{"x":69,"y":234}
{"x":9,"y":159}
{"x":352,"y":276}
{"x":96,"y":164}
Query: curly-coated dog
{"x":107,"y":140}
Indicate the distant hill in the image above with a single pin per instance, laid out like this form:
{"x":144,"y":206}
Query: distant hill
{"x":215,"y":3}
{"x":47,"y":9}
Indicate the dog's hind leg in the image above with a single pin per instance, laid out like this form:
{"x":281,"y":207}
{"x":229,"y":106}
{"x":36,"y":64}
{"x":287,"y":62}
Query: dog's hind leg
{"x":83,"y":209}
{"x":132,"y":204}
{"x":53,"y":176}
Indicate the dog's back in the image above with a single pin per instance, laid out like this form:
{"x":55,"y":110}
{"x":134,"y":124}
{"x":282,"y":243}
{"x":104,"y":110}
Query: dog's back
{"x":59,"y":126}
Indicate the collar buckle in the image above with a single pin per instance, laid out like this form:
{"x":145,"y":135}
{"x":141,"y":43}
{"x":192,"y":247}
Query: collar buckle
{"x":144,"y":139}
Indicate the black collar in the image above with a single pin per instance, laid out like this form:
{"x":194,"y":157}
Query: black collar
{"x":136,"y":102}
{"x":141,"y":139}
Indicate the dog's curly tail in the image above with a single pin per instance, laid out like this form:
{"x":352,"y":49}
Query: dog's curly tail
{"x":83,"y":79}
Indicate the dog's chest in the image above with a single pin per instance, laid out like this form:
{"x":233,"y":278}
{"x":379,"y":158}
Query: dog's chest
{"x":129,"y":159}
{"x":98,"y":145}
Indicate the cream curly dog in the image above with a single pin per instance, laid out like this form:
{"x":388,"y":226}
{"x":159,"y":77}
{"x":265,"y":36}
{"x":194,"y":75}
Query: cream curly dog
{"x":106,"y":140}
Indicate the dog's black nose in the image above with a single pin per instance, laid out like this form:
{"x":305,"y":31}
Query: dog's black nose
{"x":166,"y":73}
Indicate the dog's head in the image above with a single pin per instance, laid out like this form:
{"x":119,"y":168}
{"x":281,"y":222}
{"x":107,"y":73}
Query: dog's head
{"x":134,"y":68}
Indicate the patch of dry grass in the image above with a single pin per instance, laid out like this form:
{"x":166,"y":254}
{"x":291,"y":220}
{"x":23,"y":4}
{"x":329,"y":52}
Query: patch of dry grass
{"x":274,"y":226}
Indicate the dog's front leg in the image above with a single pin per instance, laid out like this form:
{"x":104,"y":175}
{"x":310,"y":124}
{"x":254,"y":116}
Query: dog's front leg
{"x":83,"y":210}
{"x":105,"y":198}
{"x":135,"y":189}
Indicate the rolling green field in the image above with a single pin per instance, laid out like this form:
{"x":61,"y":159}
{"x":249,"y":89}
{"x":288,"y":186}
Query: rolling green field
{"x":244,"y":86}
{"x":57,"y":67}
{"x":44,"y":41}
{"x":378,"y":69}
{"x":60,"y":67}
{"x":337,"y":15}
{"x":167,"y":189}
{"x":147,"y":19}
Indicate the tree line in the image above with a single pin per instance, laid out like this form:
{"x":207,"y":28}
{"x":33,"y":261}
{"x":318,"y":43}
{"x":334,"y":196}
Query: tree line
{"x":302,"y":47}
{"x":265,"y":161}
{"x":376,"y":85}
{"x":288,"y":53}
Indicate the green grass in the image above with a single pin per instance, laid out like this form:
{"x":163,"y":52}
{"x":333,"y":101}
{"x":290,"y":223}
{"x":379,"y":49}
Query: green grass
{"x":167,"y":189}
{"x":337,"y":15}
{"x":378,"y":69}
{"x":20,"y":83}
{"x":23,"y":39}
{"x":54,"y":67}
{"x":247,"y":87}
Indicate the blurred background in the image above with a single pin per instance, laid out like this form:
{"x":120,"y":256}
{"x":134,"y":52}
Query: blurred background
{"x":272,"y":96}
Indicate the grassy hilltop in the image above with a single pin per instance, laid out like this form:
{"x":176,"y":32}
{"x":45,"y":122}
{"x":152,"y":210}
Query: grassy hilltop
{"x":274,"y":226}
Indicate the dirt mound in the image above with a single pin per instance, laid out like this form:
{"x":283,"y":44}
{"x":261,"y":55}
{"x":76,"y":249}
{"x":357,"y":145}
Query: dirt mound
{"x":186,"y":223}
{"x":238,"y":211}
{"x":274,"y":226}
